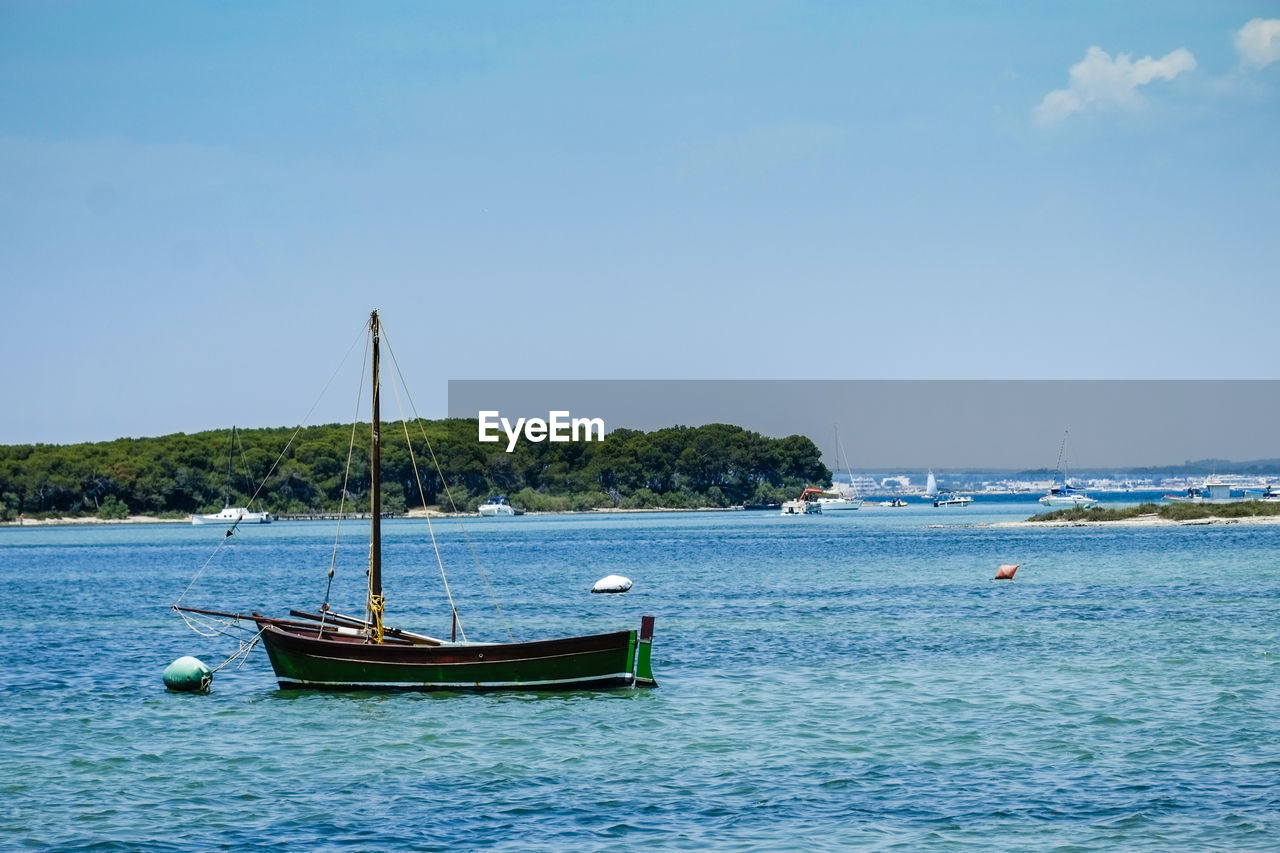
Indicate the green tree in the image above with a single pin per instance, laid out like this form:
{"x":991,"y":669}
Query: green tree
{"x":712,"y":465}
{"x":112,"y":508}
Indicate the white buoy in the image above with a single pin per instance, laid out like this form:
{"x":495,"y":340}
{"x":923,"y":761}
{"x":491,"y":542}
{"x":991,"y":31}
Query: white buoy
{"x":613,"y":583}
{"x":188,"y":675}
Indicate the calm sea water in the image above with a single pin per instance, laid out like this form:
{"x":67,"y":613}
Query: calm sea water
{"x":846,"y":682}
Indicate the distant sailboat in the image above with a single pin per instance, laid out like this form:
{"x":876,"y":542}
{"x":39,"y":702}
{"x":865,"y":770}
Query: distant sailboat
{"x":931,"y":493}
{"x":231,"y":514}
{"x":1061,"y":494}
{"x":845,"y":501}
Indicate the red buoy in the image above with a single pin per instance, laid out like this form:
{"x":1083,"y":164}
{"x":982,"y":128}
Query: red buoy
{"x":1005,"y":573}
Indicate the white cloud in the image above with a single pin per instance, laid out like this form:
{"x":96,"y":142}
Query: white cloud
{"x":1258,"y":42}
{"x":1101,"y":80}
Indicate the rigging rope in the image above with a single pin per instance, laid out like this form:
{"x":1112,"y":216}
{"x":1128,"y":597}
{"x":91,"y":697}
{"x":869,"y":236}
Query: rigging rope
{"x":275,"y":464}
{"x":430,"y":528}
{"x":196,"y":577}
{"x":248,"y":475}
{"x":1062,"y":450}
{"x":206,"y":627}
{"x":306,"y":418}
{"x":346,"y":480}
{"x":244,"y":647}
{"x":242,"y":653}
{"x":484,"y":577}
{"x":203,"y":625}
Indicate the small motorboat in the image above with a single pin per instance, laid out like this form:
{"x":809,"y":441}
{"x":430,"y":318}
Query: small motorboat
{"x":497,"y":507}
{"x":806,"y":504}
{"x":1065,"y":497}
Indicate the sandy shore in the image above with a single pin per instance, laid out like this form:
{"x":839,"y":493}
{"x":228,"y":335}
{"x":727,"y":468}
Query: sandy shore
{"x":421,"y":513}
{"x":133,"y":519}
{"x":1145,"y":521}
{"x":413,"y":513}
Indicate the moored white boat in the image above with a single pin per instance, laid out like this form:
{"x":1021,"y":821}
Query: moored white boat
{"x":845,"y":498}
{"x":1213,"y":491}
{"x":1061,"y":495}
{"x":232,"y":514}
{"x":497,"y":507}
{"x":806,"y":504}
{"x":1065,"y":497}
{"x":952,"y":500}
{"x":831,"y":504}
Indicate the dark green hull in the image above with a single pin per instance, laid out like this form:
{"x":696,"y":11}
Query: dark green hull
{"x":341,"y":661}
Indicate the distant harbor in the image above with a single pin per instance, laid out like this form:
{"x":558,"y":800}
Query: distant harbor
{"x":996,"y":483}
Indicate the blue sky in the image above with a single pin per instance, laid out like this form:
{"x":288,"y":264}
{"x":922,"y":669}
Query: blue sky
{"x":200,"y":202}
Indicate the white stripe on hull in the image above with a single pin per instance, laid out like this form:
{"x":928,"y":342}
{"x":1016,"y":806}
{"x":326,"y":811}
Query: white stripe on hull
{"x":461,"y":685}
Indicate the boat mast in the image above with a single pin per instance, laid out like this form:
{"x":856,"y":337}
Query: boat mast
{"x":836,"y":428}
{"x":1062,"y":455}
{"x":375,"y":501}
{"x":231,"y":455}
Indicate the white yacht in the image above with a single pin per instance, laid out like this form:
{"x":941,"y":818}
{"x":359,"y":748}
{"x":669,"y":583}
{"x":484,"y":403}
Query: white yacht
{"x":845,"y":498}
{"x":497,"y":507}
{"x":806,"y":504}
{"x":233,"y":514}
{"x":1061,"y":495}
{"x":840,"y":504}
{"x":1065,"y":497}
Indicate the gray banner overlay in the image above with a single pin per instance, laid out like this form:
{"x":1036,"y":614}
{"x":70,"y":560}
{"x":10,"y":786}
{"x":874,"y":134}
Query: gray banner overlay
{"x":994,"y":424}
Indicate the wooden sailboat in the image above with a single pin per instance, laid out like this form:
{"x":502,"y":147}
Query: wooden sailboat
{"x":326,"y":650}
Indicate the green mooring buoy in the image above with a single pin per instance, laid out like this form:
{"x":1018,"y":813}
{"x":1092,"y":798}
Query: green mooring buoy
{"x":188,"y":675}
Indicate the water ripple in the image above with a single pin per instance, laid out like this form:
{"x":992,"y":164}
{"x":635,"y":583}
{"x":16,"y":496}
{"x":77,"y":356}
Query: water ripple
{"x":843,"y":686}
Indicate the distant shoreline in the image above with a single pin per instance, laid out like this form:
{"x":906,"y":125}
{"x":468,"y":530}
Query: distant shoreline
{"x":89,"y":520}
{"x":1140,"y":521}
{"x":66,"y":521}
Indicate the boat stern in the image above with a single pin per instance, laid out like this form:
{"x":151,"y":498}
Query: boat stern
{"x":644,"y":671}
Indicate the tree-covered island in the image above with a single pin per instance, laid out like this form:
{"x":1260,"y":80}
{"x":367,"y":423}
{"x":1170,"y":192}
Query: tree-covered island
{"x":717,"y":465}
